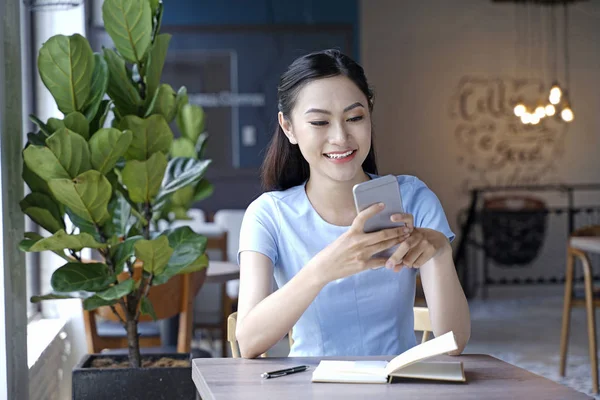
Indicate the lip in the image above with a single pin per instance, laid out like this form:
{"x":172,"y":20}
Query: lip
{"x":340,"y":152}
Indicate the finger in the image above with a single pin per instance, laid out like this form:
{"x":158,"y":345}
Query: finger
{"x":412,"y":255}
{"x":401,"y":251}
{"x":406,"y":218}
{"x":424,"y":258}
{"x":385,"y":234}
{"x":386,"y":244}
{"x":364,"y":215}
{"x":375,"y":262}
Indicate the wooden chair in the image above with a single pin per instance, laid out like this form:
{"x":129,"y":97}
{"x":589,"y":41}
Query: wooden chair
{"x":176,"y":297}
{"x":581,"y":242}
{"x":421,"y":321}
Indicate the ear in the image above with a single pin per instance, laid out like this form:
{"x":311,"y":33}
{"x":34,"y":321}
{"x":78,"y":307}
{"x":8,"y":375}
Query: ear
{"x":286,"y":126}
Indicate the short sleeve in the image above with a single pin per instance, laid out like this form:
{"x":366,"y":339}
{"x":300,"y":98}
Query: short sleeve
{"x":428,"y":211}
{"x":260,"y":228}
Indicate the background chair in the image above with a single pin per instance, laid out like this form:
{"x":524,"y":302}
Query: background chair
{"x":582,"y":242}
{"x":421,"y":317}
{"x":170,"y":299}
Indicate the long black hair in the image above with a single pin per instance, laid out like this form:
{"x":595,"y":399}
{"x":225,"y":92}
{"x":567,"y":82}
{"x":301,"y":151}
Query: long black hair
{"x":284,"y":166}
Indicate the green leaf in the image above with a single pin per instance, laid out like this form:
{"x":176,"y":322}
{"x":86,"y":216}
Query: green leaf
{"x":154,"y":254}
{"x":35,"y":183}
{"x":182,"y":98}
{"x":87,"y":195}
{"x":98,"y":87}
{"x":66,"y":64}
{"x":120,"y":87}
{"x":201,"y":145}
{"x":98,"y":121}
{"x":190,"y":121}
{"x":182,"y":172}
{"x":37,"y":138}
{"x":117,"y":291}
{"x":183,"y":197}
{"x":55,"y":124}
{"x":59,"y":296}
{"x":187,"y":247}
{"x":163,"y":103}
{"x":107,"y":146}
{"x":143,"y":178}
{"x":74,"y":276}
{"x":121,"y":213}
{"x":150,"y":135}
{"x":31,"y":238}
{"x":42,"y":209}
{"x":44,"y":163}
{"x":77,"y":123}
{"x":62,"y":240}
{"x":66,"y":156}
{"x":147,"y":308}
{"x":124,"y":251}
{"x":203,"y":190}
{"x":43,"y":127}
{"x":129,"y":24}
{"x":94,"y":302}
{"x":83,"y":225}
{"x":183,"y":147}
{"x":156,"y":62}
{"x":198,"y":265}
{"x":154,"y":6}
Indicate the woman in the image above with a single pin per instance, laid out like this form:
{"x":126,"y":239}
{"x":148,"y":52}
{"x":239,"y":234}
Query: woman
{"x":305,"y":231}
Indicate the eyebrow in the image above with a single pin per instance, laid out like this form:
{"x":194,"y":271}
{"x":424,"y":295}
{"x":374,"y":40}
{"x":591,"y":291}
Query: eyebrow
{"x":318,"y":110}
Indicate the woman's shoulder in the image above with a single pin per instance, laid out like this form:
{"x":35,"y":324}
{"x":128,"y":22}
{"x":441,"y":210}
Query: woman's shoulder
{"x":270,"y":201}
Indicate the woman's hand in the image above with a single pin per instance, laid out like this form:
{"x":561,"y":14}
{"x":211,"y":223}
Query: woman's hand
{"x":421,"y":245}
{"x":353,"y":251}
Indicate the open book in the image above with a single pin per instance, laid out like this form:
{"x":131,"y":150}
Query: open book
{"x":409,"y":364}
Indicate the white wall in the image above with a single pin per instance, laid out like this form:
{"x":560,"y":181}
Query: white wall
{"x":415,"y":55}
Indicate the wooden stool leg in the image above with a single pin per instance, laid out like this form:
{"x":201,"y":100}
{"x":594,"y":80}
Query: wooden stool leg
{"x":566,"y":320}
{"x":591,"y":320}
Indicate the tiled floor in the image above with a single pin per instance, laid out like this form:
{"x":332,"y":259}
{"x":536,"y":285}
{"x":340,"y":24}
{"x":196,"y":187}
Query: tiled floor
{"x":519,"y":325}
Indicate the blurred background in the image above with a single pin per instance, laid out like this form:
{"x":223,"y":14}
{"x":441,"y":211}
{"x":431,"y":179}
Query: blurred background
{"x":492,"y":103}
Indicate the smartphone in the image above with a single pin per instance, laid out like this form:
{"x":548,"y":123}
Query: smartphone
{"x":384,"y":190}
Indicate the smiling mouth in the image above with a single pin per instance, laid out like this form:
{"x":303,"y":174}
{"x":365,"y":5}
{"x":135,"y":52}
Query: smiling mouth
{"x":339,"y":156}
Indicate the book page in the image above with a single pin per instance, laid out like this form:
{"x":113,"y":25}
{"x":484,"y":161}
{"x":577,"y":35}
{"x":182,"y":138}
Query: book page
{"x":433,"y":370}
{"x":338,"y":371}
{"x":439,"y":345}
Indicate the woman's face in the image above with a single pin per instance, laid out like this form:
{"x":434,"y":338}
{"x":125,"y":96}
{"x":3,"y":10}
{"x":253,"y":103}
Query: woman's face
{"x":331,"y":124}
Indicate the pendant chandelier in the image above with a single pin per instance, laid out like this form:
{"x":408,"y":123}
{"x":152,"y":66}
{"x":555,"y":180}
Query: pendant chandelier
{"x":555,"y":103}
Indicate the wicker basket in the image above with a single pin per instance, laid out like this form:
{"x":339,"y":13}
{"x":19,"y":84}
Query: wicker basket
{"x":514,"y":229}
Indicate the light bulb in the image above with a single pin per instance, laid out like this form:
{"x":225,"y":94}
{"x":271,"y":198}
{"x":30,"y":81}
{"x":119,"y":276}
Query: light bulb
{"x":567,"y":114}
{"x":550,"y":110}
{"x":519,"y":110}
{"x":554,"y":98}
{"x":534,"y":119}
{"x":540,"y":112}
{"x":526,"y":118}
{"x":555,"y":91}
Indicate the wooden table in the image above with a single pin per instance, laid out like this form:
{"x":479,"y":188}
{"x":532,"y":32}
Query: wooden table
{"x":487,"y":378}
{"x":222,"y":271}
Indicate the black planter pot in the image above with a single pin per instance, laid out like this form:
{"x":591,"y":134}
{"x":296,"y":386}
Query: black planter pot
{"x":133,"y":383}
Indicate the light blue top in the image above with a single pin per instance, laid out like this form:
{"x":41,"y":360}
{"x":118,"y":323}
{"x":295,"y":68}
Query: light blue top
{"x":369,"y":313}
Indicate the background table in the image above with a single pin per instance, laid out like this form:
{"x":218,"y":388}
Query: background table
{"x":487,"y":378}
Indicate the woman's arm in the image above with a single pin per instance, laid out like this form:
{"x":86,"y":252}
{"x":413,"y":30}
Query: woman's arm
{"x":265,"y":317}
{"x":448,"y":307}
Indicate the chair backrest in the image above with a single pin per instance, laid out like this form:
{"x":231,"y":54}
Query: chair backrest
{"x":231,"y":222}
{"x":421,"y":317}
{"x":169,"y":299}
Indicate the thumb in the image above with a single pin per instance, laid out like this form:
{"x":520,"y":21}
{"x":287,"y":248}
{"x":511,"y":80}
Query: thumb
{"x":364,"y":215}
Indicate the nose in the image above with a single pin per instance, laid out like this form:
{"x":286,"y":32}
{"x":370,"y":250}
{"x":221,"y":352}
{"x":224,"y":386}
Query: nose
{"x":338,"y":135}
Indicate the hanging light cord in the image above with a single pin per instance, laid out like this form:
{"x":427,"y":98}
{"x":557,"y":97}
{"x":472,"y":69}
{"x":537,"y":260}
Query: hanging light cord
{"x":566,"y":40}
{"x":553,"y":43}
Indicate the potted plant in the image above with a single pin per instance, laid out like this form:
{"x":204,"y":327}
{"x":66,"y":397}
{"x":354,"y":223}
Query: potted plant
{"x":114,"y":183}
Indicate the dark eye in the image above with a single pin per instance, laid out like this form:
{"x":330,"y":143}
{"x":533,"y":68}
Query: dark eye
{"x":355,"y":119}
{"x":318,"y":123}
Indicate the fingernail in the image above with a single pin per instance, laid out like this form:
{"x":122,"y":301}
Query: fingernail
{"x":380,"y":205}
{"x":389,"y":264}
{"x":406,"y":230}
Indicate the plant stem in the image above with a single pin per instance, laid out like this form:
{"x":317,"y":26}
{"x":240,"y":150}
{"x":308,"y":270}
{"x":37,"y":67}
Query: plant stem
{"x":143,"y":292}
{"x":114,"y":310}
{"x":133,"y":343}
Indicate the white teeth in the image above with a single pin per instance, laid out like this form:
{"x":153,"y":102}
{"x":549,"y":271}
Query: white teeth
{"x":341,"y":155}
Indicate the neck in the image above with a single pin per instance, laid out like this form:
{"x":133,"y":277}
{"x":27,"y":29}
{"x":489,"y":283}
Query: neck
{"x":333,"y":200}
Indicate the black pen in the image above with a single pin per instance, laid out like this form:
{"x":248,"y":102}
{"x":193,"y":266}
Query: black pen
{"x":283,"y":372}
